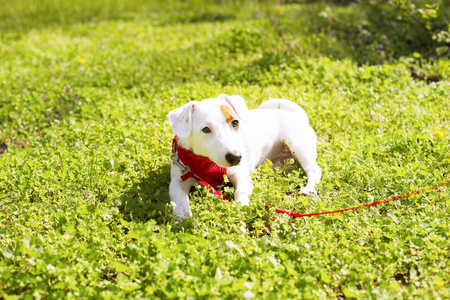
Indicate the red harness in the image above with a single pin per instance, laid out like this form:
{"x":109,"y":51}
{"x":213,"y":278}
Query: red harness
{"x":200,"y":168}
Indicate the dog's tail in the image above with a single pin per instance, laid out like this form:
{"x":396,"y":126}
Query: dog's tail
{"x":285,"y":105}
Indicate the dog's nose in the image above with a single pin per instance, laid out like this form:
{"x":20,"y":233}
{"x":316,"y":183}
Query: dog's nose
{"x":233,"y":159}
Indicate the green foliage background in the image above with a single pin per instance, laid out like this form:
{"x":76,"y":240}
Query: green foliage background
{"x":84,"y":90}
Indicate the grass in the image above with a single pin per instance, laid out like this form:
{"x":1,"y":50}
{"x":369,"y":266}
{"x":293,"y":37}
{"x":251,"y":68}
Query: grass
{"x":84,"y":208}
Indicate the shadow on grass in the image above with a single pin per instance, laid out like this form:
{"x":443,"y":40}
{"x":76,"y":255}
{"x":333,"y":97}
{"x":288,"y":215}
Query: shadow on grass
{"x":149,"y":197}
{"x":375,"y":32}
{"x":368,"y":32}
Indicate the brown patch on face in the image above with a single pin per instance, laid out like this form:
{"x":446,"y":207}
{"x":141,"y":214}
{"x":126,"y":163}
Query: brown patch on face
{"x":228,"y":113}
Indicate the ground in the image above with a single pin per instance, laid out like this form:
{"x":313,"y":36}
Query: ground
{"x":84,"y":151}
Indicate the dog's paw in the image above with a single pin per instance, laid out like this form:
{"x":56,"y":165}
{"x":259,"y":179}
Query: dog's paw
{"x":307,"y":191}
{"x":243,"y":200}
{"x":181,"y":213}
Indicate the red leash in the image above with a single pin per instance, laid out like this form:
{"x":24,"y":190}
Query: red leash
{"x":296,"y":215}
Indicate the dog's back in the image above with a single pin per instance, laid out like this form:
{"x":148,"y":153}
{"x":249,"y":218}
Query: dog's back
{"x":287,"y":105}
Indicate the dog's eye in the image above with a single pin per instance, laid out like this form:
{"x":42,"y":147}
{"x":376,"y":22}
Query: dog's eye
{"x":206,"y":130}
{"x":235,"y":123}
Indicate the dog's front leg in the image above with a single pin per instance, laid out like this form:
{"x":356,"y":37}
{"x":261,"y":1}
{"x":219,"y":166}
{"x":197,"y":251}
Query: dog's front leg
{"x":242,"y":182}
{"x":179,"y":194}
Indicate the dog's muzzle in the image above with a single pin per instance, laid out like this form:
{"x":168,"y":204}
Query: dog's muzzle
{"x":233,"y":159}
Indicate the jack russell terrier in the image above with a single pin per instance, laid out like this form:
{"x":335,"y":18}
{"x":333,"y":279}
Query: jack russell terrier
{"x":221,"y":136}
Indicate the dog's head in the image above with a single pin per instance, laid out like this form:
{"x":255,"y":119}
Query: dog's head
{"x":211,"y":128}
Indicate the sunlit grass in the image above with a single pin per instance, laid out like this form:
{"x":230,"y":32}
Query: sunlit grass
{"x":84,"y":207}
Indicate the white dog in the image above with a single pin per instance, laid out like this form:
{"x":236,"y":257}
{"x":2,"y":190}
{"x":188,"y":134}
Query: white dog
{"x":239,"y":140}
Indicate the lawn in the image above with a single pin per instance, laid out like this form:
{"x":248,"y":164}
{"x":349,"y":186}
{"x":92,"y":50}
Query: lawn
{"x":85,"y":87}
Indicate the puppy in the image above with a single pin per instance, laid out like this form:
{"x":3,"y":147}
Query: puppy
{"x":238,"y":140}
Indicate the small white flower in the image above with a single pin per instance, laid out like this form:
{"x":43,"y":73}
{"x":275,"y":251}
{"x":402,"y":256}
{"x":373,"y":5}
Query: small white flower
{"x":50,"y":267}
{"x":31,"y":261}
{"x":248,"y":295}
{"x":248,"y":285}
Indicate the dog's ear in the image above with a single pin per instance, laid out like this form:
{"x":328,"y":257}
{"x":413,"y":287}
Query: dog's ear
{"x":237,"y":103}
{"x":180,"y":119}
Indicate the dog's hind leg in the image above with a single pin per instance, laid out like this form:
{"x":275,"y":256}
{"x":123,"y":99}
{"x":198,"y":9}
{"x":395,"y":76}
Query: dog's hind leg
{"x":304,"y":150}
